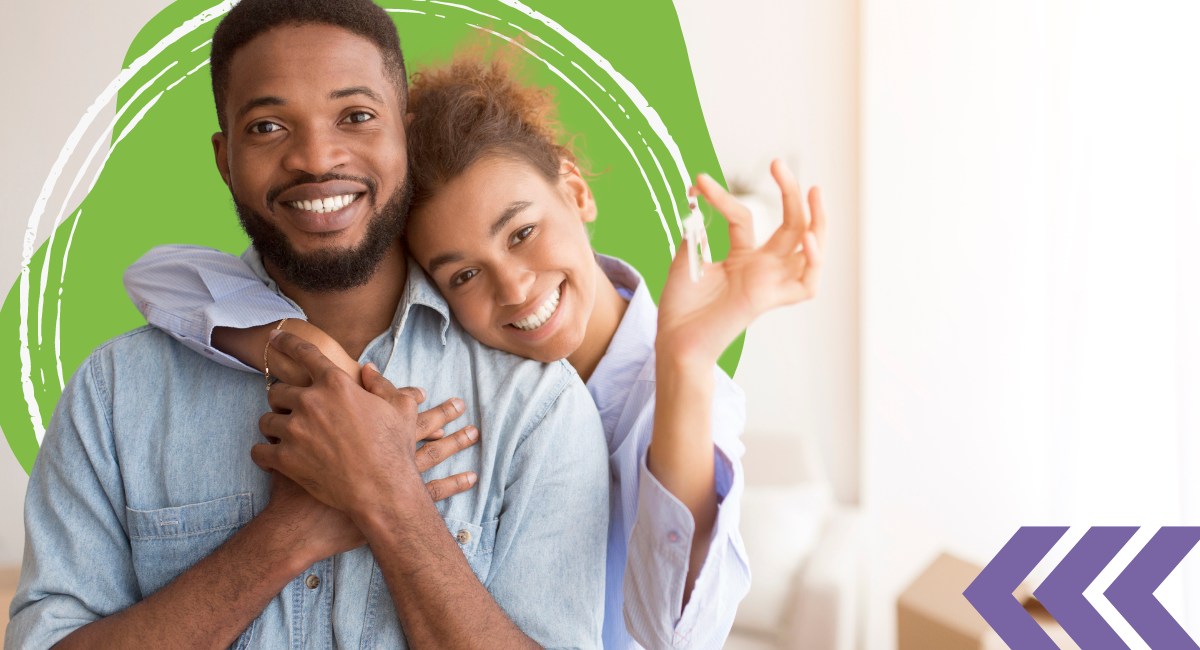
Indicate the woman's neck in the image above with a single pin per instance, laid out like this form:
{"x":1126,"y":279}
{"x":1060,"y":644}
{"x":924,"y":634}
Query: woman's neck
{"x":607,"y":312}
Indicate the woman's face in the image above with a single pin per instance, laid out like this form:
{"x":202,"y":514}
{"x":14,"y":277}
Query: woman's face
{"x":510,"y":252}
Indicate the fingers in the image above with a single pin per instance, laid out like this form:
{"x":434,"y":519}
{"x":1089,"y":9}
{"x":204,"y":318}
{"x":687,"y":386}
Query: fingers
{"x":437,"y":417}
{"x":451,"y":485}
{"x":266,"y":456}
{"x":817,"y":209}
{"x":741,"y":222}
{"x":284,"y":398}
{"x":432,"y":453}
{"x":401,"y":399}
{"x":795,"y":222}
{"x":304,"y":353}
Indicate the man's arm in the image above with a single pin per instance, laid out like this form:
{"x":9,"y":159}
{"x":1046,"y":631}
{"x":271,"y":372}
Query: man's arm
{"x":79,"y":588}
{"x":78,"y":568}
{"x":353,"y":449}
{"x":214,"y":601}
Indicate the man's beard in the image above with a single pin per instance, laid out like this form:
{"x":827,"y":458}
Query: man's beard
{"x":330,"y":269}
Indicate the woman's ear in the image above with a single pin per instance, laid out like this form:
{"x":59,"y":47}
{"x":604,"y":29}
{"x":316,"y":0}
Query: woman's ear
{"x":579,"y":194}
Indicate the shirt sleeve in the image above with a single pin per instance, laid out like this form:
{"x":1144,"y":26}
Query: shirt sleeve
{"x":186,"y":291}
{"x":661,"y":542}
{"x":549,"y":556}
{"x":77,"y":566}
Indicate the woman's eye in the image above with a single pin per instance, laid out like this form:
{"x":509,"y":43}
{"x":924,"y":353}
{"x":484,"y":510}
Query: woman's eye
{"x":358,"y":117}
{"x":521,"y":234}
{"x":265,"y":127}
{"x":463,"y":277}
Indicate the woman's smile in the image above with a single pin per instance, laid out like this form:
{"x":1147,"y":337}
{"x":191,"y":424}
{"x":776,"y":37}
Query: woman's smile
{"x":541,"y":321}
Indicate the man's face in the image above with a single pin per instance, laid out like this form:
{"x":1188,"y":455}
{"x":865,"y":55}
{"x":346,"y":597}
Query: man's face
{"x":314,"y":153}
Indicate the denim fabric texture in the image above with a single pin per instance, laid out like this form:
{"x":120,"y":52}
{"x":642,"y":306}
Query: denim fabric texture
{"x":145,"y":469}
{"x":188,"y":290}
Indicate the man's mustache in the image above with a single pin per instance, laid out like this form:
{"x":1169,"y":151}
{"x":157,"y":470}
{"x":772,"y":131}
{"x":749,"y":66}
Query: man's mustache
{"x":307,"y":179}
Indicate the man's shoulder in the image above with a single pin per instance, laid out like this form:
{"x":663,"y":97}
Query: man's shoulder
{"x":145,"y":352}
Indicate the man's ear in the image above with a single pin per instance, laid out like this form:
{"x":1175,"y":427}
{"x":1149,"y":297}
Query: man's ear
{"x":579,"y":194}
{"x":220,"y":145}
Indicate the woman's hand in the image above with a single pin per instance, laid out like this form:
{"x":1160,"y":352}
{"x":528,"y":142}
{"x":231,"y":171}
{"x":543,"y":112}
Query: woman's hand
{"x":698,"y":320}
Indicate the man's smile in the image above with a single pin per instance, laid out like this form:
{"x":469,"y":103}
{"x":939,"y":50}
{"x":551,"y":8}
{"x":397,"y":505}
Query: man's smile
{"x":323,"y":207}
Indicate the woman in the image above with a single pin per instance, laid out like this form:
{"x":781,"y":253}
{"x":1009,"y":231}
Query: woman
{"x":498,"y":223}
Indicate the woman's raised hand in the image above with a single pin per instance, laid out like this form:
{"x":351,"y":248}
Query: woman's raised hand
{"x":698,"y":320}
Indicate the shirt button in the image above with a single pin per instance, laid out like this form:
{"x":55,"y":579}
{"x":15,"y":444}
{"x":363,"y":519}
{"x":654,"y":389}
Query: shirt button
{"x":463,"y":536}
{"x":313,"y":582}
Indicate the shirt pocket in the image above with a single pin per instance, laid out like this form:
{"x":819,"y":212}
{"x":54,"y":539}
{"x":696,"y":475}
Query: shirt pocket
{"x":476,"y":542}
{"x":168,"y":541}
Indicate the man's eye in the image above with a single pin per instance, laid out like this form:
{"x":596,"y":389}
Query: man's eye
{"x":459,"y":279}
{"x":521,"y":234}
{"x":265,"y":127}
{"x":358,"y":117}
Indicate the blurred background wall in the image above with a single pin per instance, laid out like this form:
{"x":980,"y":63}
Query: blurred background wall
{"x":1009,"y":327}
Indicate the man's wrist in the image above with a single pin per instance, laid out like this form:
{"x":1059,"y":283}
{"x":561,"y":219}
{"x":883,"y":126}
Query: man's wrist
{"x":282,"y":554}
{"x":392,"y":505}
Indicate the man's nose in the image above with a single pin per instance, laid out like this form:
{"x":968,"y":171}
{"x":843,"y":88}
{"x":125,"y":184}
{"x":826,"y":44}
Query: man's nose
{"x":314,"y":151}
{"x":514,"y":286}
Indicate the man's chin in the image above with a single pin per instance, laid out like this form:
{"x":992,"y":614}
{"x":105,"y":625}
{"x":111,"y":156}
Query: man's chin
{"x":329,"y":261}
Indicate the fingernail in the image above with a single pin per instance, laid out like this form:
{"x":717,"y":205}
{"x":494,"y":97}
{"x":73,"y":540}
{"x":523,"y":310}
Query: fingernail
{"x":372,"y":366}
{"x":472,"y":433}
{"x":273,"y":333}
{"x":471,"y":478}
{"x":423,"y":393}
{"x":458,"y":404}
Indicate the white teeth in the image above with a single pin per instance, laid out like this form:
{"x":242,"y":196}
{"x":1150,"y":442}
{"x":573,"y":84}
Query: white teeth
{"x":543,"y":313}
{"x":321,"y":206}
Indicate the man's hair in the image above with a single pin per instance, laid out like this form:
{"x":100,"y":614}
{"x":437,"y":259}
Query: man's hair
{"x":251,"y":18}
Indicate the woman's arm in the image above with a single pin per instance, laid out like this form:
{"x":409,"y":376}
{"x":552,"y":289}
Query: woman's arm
{"x":698,"y":320}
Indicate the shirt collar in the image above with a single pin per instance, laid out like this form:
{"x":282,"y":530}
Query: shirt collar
{"x":631,"y":347}
{"x":418,"y":290}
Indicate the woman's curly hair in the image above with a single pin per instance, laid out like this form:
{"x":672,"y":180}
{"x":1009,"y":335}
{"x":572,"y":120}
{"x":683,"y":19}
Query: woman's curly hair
{"x":475,"y":108}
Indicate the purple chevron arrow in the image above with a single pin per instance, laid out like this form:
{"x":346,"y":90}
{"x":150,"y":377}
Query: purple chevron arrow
{"x":1132,"y":593}
{"x":1062,"y":591}
{"x":991,"y":592}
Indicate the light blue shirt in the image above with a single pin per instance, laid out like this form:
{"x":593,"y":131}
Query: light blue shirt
{"x":189,"y":290}
{"x":145,"y":469}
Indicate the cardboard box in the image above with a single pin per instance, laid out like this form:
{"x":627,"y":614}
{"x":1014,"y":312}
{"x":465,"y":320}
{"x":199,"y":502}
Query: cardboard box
{"x":932,"y":613}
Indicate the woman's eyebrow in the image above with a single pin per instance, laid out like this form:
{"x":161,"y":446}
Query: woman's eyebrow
{"x":442,"y":260}
{"x":511,"y":211}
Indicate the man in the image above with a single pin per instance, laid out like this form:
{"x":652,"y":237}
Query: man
{"x":150,"y":525}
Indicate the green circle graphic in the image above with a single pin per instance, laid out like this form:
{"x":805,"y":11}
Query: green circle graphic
{"x":623,"y":82}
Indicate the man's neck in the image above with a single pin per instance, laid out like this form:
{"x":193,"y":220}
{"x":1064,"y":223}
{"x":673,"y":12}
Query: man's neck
{"x":354,"y":317}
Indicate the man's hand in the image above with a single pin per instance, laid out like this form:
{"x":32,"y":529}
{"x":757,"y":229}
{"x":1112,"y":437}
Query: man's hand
{"x":349,"y":447}
{"x":698,"y":320}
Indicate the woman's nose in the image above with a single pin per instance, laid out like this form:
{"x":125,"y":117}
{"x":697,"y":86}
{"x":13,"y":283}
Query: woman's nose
{"x":514,"y":286}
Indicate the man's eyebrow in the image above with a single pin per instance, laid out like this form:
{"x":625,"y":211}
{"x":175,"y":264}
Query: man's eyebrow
{"x":511,"y":211}
{"x":356,"y":90}
{"x":442,"y":260}
{"x":269,"y":100}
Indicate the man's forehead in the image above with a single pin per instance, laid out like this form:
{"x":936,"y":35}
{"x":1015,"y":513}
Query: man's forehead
{"x":305,"y":58}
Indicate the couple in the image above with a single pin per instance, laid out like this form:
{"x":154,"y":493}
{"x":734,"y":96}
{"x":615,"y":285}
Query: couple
{"x":589,"y":495}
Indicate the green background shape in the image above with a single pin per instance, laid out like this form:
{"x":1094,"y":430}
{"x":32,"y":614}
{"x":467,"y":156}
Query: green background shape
{"x":160,"y":184}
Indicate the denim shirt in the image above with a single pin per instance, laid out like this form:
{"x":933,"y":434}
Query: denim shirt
{"x":189,"y":290}
{"x":145,"y":469}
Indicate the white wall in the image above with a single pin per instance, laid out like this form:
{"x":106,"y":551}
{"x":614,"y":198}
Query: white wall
{"x":60,"y":56}
{"x":779,"y":78}
{"x":1030,"y":210}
